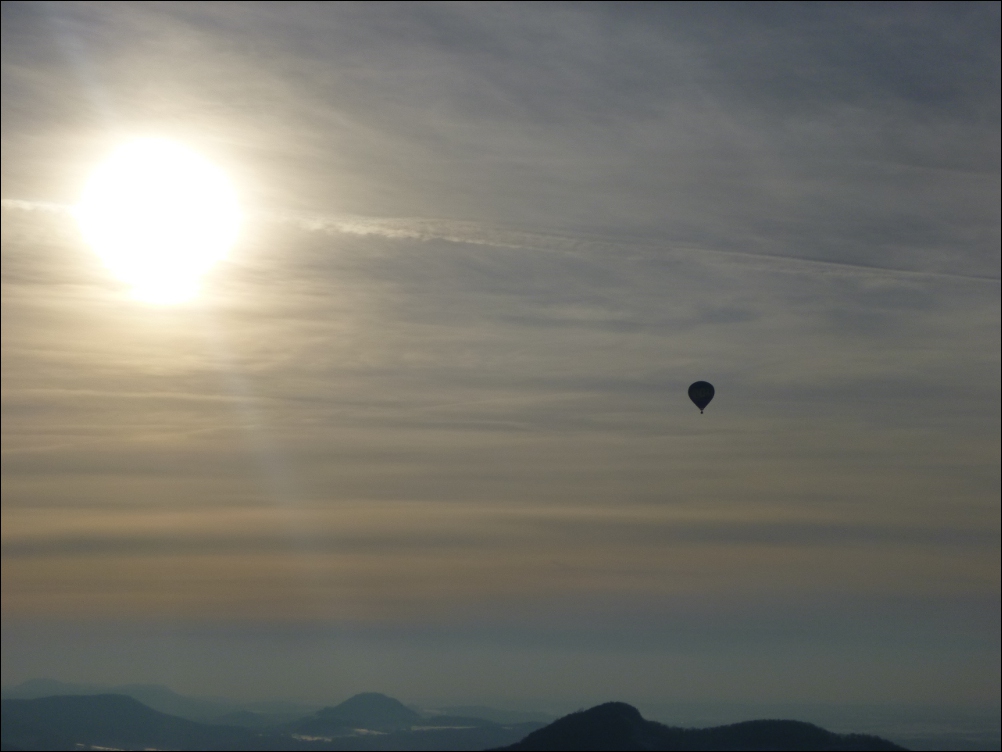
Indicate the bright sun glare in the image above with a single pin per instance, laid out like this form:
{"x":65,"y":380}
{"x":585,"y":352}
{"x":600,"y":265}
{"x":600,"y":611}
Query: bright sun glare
{"x":159,"y":216}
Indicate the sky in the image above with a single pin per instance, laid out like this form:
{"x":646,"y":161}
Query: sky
{"x":425,"y":431}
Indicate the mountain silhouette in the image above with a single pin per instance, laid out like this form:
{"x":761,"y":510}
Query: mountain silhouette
{"x":618,"y":726}
{"x":121,"y":722}
{"x":257,"y":715}
{"x":374,"y":721}
{"x":155,"y":696}
{"x":370,"y":710}
{"x":115,"y":721}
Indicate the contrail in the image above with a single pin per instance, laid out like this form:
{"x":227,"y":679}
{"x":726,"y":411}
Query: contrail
{"x":476,"y":234}
{"x":473,"y":233}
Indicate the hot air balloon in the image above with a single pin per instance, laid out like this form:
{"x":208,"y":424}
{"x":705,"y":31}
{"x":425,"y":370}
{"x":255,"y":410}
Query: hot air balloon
{"x":701,"y":392}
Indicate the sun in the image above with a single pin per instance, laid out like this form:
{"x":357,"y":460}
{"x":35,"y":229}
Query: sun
{"x":160,"y":216}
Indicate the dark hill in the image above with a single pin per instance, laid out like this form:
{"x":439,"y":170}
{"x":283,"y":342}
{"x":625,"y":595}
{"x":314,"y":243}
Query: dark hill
{"x":612,"y":726}
{"x":107,"y":721}
{"x":369,"y":710}
{"x":618,"y":726}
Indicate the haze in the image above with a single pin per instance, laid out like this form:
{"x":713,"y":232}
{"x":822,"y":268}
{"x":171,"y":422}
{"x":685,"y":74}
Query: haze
{"x":426,"y":432}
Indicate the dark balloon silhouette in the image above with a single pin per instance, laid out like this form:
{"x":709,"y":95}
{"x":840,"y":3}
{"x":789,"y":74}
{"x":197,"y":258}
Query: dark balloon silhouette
{"x":701,"y":392}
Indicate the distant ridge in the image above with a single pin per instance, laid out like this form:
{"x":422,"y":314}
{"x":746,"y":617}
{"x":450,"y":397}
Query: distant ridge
{"x":114,"y":721}
{"x":618,"y":726}
{"x":255,"y":715}
{"x":74,"y":722}
{"x":121,"y":722}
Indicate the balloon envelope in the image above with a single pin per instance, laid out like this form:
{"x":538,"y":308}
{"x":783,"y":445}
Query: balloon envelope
{"x":701,"y":392}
